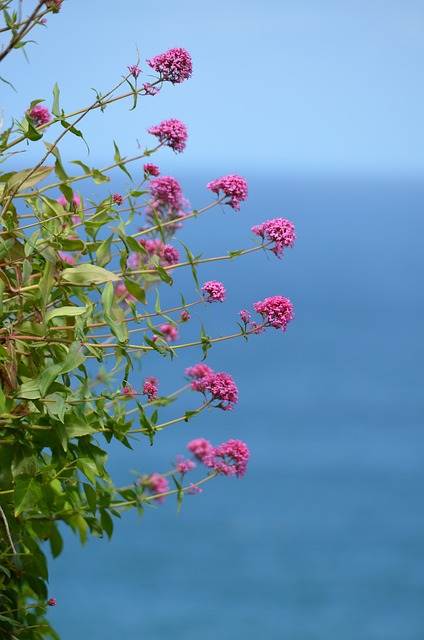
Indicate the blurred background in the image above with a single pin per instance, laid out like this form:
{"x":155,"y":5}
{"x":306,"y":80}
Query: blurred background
{"x":319,"y":105}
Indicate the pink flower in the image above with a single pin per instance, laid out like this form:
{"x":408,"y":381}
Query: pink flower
{"x":229,"y":458}
{"x":184,"y":465}
{"x":174,"y":65}
{"x":222,"y":387}
{"x":134,"y":70}
{"x":166,"y":191}
{"x":172,"y":133}
{"x":185,"y":316}
{"x":40,"y":115}
{"x":200,"y":448}
{"x":157,"y":483}
{"x":152,"y":247}
{"x":151,"y":169}
{"x":121,"y":291}
{"x":198,"y":373}
{"x":170,"y":254}
{"x":128,"y":391}
{"x":76,"y":201}
{"x":169,"y":331}
{"x":214,"y":290}
{"x":117,"y":199}
{"x":194,"y":489}
{"x":277,"y":311}
{"x":150,"y":89}
{"x":52,"y":602}
{"x":134,"y":261}
{"x":167,"y":254}
{"x":67,"y":257}
{"x":280,"y":231}
{"x":150,"y":388}
{"x":245,"y":316}
{"x":233,"y":187}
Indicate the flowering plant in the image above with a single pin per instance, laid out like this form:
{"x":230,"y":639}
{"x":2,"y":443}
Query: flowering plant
{"x":81,"y":311}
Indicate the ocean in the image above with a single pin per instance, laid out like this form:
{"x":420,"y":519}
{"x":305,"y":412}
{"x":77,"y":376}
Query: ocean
{"x":323,"y":539}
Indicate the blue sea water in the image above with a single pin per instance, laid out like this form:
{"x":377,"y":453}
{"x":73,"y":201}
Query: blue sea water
{"x":324,"y":537}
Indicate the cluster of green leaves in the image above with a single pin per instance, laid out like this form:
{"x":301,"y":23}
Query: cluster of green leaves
{"x":60,"y":404}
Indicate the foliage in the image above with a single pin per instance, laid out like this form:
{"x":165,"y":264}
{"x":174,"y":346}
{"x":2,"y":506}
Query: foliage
{"x":79,"y":306}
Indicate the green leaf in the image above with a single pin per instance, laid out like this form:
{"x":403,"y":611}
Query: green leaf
{"x":56,"y":541}
{"x":70,"y":244}
{"x":164,"y":275}
{"x":117,"y":154}
{"x":58,"y":167}
{"x":39,"y":174}
{"x":27,"y":494}
{"x":103,"y":253}
{"x":118,"y":159}
{"x":75,"y":429}
{"x":56,"y":405}
{"x":99,"y":177}
{"x":106,"y":522}
{"x":192,"y":260}
{"x":135,"y":289}
{"x":73,"y":360}
{"x":113,"y":314}
{"x":65,"y":311}
{"x":56,"y":97}
{"x":91,"y":496}
{"x":86,"y":274}
{"x":83,"y":166}
{"x":29,"y":390}
{"x":46,"y":284}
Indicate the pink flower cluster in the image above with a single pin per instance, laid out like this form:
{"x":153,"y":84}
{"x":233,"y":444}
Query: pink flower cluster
{"x":169,"y":331}
{"x":117,"y":199}
{"x":166,"y":253}
{"x":122,"y":292}
{"x":229,"y":458}
{"x":220,"y":385}
{"x":134,"y":70}
{"x":184,"y":465}
{"x":172,"y":133}
{"x":200,"y":448}
{"x":76,"y":201}
{"x":151,"y":169}
{"x":166,"y":191}
{"x":174,"y":65}
{"x":198,"y":371}
{"x":245,"y":316}
{"x":214,"y":291}
{"x":276,"y":311}
{"x":150,"y":89}
{"x":279,"y":231}
{"x":40,"y":115}
{"x":234,"y":187}
{"x":151,"y":388}
{"x":156,"y":483}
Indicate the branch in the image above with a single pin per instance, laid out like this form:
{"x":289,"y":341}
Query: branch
{"x":19,"y":34}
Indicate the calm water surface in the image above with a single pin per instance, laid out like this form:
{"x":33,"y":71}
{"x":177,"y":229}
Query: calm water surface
{"x":323,"y":539}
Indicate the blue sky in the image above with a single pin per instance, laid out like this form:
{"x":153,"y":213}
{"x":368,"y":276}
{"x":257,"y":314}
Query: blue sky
{"x":288,"y":85}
